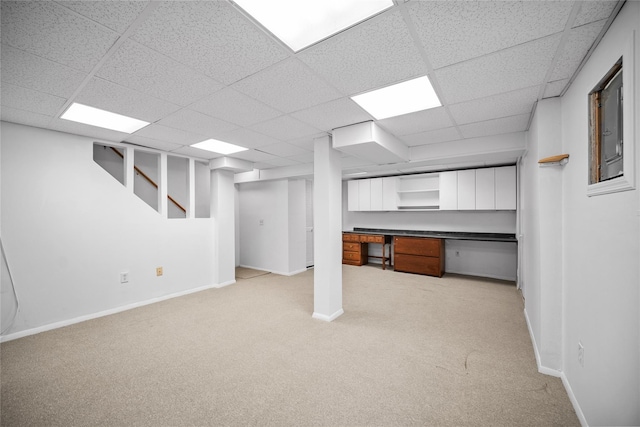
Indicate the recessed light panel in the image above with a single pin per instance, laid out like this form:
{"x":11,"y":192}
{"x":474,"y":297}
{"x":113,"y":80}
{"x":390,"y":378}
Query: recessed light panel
{"x":402,"y":98}
{"x":300,"y":23}
{"x":219,"y":147}
{"x":105,"y":119}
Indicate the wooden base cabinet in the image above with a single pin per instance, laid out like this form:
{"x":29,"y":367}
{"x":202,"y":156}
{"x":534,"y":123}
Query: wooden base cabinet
{"x":420,"y":255}
{"x":355,"y":253}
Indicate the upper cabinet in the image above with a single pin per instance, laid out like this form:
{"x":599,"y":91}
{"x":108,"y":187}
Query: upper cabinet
{"x":419,"y":191}
{"x":467,"y":190}
{"x":449,"y":190}
{"x":506,"y":188}
{"x":485,"y":189}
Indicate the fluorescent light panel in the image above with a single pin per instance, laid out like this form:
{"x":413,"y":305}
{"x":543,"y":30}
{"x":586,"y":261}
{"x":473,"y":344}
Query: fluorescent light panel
{"x":219,"y":147}
{"x":300,"y":23}
{"x":105,"y":119}
{"x":402,"y":98}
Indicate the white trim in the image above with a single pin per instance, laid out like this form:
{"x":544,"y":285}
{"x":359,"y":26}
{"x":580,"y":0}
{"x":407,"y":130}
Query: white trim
{"x":574,"y":401}
{"x":108,"y":312}
{"x":281,"y":273}
{"x":223,"y":284}
{"x":541,"y":369}
{"x":488,"y":276}
{"x":326,"y":318}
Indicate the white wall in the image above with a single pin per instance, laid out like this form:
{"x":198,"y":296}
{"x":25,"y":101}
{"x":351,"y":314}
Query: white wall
{"x":69,"y":228}
{"x":599,"y":252}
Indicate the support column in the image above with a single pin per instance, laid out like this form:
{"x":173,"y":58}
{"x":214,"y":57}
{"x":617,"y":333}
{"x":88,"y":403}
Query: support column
{"x":327,"y":218}
{"x":223,"y":217}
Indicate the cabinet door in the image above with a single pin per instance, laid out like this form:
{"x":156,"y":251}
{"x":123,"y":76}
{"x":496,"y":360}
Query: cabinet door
{"x":506,"y":188}
{"x":390,"y":193}
{"x":364,"y":189}
{"x":485,"y":189}
{"x":353,"y":196}
{"x":467,"y":189}
{"x":449,"y":190}
{"x":376,"y":194}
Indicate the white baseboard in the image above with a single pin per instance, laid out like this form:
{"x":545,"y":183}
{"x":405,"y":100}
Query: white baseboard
{"x":328,"y":318}
{"x":223,"y":284}
{"x":542,"y":369}
{"x":103,"y":313}
{"x":574,"y":401}
{"x":476,"y":274}
{"x":281,"y":273}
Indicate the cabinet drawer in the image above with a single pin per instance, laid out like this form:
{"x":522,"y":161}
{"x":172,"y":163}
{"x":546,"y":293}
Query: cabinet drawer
{"x":418,"y":246}
{"x":418,"y":264}
{"x":352,"y":256}
{"x":350,"y":237}
{"x":371,"y":238}
{"x":351,"y":246}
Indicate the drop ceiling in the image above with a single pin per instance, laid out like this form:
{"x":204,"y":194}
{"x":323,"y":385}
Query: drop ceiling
{"x":204,"y":69}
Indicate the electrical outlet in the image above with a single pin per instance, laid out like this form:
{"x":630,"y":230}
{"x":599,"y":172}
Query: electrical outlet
{"x":261,"y":222}
{"x":457,"y":253}
{"x":580,"y":354}
{"x":124,"y":277}
{"x":159,"y":271}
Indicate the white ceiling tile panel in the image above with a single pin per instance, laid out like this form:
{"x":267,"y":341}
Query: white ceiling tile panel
{"x":247,"y":138}
{"x":495,"y":127}
{"x":116,"y":15}
{"x":510,"y":69}
{"x":30,"y":100}
{"x":210,"y":36}
{"x":140,"y":68}
{"x":354,"y":162}
{"x":29,"y":118}
{"x":455,"y":31}
{"x":197,"y":122}
{"x":432,"y":137}
{"x":235,"y":107}
{"x":152,"y":143}
{"x":575,"y":48}
{"x":86,"y":130}
{"x":555,"y":88}
{"x":308,"y":143}
{"x":275,"y":162}
{"x":591,"y":11}
{"x":287,"y":86}
{"x":303,"y":158}
{"x":31,"y":71}
{"x":373,"y":54}
{"x":109,"y":96}
{"x":285,"y":128}
{"x":493,"y":107}
{"x":420,"y":121}
{"x":253,"y":156}
{"x":283,"y":149}
{"x":51,"y":31}
{"x":167,"y":134}
{"x":333,"y":114}
{"x":196,"y":152}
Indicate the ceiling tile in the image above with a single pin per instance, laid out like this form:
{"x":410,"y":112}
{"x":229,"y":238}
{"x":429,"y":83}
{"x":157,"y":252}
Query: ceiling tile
{"x":140,"y":68}
{"x":493,"y":107}
{"x":29,"y":118}
{"x":194,"y":121}
{"x":575,"y":48}
{"x":30,"y":100}
{"x":333,"y":114}
{"x":285,"y":128}
{"x":591,"y":11}
{"x":555,"y":88}
{"x":275,"y":162}
{"x":247,"y":138}
{"x":30,"y":71}
{"x":303,"y":158}
{"x":456,"y":31}
{"x":308,"y":143}
{"x":432,"y":137}
{"x":51,"y":31}
{"x":109,"y":96}
{"x":420,"y":121}
{"x":86,"y":130}
{"x":235,"y":107}
{"x":185,"y":150}
{"x":373,"y":54}
{"x":116,"y":15}
{"x":152,"y":143}
{"x":253,"y":156}
{"x":167,"y":134}
{"x":517,"y":123}
{"x":354,"y":162}
{"x":283,"y":149}
{"x":287,"y":86}
{"x":510,"y":69}
{"x":210,"y":36}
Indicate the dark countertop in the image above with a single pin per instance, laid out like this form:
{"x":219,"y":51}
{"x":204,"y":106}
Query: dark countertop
{"x":456,"y":235}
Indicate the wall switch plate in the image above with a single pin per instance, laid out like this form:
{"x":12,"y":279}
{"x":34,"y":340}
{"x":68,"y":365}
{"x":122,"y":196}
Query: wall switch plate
{"x":159,"y":271}
{"x":124,"y":277}
{"x":580,"y":354}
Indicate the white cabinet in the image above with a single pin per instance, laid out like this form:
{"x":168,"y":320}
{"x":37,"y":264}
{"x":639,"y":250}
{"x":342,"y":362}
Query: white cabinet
{"x":485,"y":189}
{"x":353,"y":196}
{"x":506,"y":188}
{"x":376,"y":194}
{"x":449,"y":190}
{"x":364,"y":194}
{"x":467,"y":189}
{"x":419,"y":191}
{"x":390,"y":193}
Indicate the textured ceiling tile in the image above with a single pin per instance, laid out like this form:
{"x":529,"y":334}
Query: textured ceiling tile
{"x":515,"y":68}
{"x":247,"y":138}
{"x":30,"y":100}
{"x":455,"y":31}
{"x":86,"y":130}
{"x":116,"y":15}
{"x":253,"y":156}
{"x":30,"y":71}
{"x":140,"y":68}
{"x":196,"y":152}
{"x":235,"y":107}
{"x":167,"y":134}
{"x":29,"y":118}
{"x":152,"y":143}
{"x":575,"y":48}
{"x":275,"y":163}
{"x":421,"y":121}
{"x":194,"y":121}
{"x":493,"y":107}
{"x":210,"y":36}
{"x":285,"y":128}
{"x":591,"y":11}
{"x":495,"y":127}
{"x":373,"y":54}
{"x":283,"y":149}
{"x":555,"y":88}
{"x":109,"y":96}
{"x":303,"y":158}
{"x":432,"y":137}
{"x":333,"y":114}
{"x":51,"y":31}
{"x":308,"y":143}
{"x":288,"y":86}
